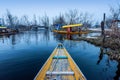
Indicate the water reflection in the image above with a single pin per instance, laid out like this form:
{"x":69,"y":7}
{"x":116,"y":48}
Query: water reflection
{"x":27,"y":37}
{"x":59,"y":37}
{"x":117,"y":76}
{"x":13,"y":39}
{"x":101,"y":55}
{"x":104,"y":51}
{"x":66,"y":36}
{"x":34,"y":47}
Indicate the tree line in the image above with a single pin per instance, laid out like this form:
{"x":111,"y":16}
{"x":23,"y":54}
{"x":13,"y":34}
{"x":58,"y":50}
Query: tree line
{"x":69,"y":17}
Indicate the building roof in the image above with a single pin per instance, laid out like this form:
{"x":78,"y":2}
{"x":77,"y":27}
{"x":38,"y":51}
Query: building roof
{"x":2,"y":27}
{"x":73,"y":25}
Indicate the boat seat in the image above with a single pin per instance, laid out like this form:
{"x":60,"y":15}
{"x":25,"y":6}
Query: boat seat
{"x":60,"y":57}
{"x":60,"y":73}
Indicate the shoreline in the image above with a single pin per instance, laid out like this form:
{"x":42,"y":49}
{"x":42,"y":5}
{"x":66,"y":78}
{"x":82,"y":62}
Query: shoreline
{"x":108,"y":43}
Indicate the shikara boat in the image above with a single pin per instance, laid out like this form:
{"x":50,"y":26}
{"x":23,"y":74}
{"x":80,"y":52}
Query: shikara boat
{"x":60,"y":66}
{"x":67,"y":29}
{"x":66,"y":32}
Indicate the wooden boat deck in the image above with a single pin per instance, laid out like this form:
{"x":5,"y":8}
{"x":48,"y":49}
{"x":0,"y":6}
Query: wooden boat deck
{"x":60,"y":66}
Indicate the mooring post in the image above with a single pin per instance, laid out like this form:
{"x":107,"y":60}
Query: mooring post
{"x":104,"y":18}
{"x":103,"y":24}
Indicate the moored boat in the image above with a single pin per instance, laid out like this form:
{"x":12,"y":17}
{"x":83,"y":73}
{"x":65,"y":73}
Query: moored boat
{"x":71,"y":29}
{"x":60,"y":66}
{"x":66,"y":32}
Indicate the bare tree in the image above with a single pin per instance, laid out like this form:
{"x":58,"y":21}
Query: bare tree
{"x":72,"y":17}
{"x":12,"y":20}
{"x":34,"y":20}
{"x":45,"y":21}
{"x":59,"y":20}
{"x":115,"y":12}
{"x":39,"y":20}
{"x":86,"y":20}
{"x":15,"y":22}
{"x":3,"y":21}
{"x":114,"y":15}
{"x":113,"y":20}
{"x":25,"y":21}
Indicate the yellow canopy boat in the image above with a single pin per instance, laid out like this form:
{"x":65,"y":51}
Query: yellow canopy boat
{"x":60,"y":66}
{"x":73,"y":25}
{"x":66,"y":32}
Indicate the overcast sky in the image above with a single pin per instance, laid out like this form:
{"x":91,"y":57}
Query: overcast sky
{"x":54,"y":7}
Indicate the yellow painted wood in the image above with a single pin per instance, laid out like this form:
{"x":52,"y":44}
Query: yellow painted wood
{"x":65,"y":32}
{"x":74,"y":67}
{"x":77,"y":73}
{"x":42,"y":72}
{"x":73,"y":25}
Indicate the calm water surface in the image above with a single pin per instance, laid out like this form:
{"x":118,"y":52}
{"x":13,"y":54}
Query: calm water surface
{"x":22,"y":56}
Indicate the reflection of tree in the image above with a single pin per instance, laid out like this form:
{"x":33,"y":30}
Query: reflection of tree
{"x":101,"y":50}
{"x":117,"y":76}
{"x":59,"y":37}
{"x":27,"y":37}
{"x":63,"y":37}
{"x":46,"y":35}
{"x":101,"y":55}
{"x":36,"y":36}
{"x":3,"y":40}
{"x":13,"y":39}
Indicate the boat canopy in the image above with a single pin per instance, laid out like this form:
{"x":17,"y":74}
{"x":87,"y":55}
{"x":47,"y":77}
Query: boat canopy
{"x":73,"y":25}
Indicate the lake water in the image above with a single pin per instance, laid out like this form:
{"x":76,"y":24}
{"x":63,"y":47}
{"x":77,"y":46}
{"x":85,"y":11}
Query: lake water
{"x":22,"y":56}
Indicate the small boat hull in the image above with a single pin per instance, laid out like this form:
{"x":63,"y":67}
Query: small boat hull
{"x":65,"y":32}
{"x":60,"y":66}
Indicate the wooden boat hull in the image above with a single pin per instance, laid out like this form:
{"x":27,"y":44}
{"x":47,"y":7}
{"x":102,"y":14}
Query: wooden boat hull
{"x":60,"y":66}
{"x":65,"y":32}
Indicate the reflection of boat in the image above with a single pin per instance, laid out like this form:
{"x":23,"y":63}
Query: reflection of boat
{"x":68,"y":29}
{"x":66,"y":32}
{"x":60,"y":66}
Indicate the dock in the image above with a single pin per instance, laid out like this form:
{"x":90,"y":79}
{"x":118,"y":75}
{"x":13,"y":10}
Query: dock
{"x":60,"y":66}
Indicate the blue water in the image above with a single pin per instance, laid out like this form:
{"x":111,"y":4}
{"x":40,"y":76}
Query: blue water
{"x":22,"y":56}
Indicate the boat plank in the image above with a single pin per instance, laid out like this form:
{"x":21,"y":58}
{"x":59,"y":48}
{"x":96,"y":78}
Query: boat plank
{"x":60,"y":69}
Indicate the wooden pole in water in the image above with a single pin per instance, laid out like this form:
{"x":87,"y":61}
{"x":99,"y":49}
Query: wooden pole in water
{"x":103,"y":24}
{"x":102,"y":28}
{"x":104,"y":18}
